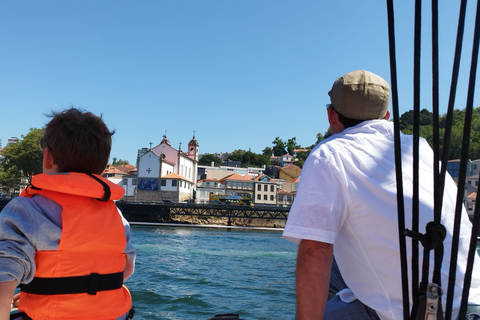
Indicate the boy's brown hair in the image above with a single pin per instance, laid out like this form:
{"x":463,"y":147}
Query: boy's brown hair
{"x":78,"y":140}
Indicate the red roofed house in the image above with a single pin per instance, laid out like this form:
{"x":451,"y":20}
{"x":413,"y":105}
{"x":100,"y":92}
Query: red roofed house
{"x":236,"y":184}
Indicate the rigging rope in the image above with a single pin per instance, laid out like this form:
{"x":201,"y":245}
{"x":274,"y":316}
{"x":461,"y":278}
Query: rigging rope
{"x":435,"y":232}
{"x":398,"y":162}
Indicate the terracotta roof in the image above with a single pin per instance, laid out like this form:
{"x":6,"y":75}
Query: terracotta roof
{"x":127,"y":168}
{"x":113,"y":170}
{"x":294,"y":180}
{"x":211,"y":179}
{"x":285,"y":192}
{"x":175,"y":176}
{"x":291,"y":166}
{"x":236,"y":176}
{"x":303,"y":149}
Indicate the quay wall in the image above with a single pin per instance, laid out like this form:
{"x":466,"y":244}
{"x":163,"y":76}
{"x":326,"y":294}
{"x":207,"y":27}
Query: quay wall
{"x":200,"y":214}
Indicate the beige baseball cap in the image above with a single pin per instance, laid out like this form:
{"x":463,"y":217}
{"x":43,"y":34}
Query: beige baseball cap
{"x":360,"y":95}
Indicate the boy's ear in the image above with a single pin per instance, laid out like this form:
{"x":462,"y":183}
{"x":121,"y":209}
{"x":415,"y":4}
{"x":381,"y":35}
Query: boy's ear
{"x":48,"y":165}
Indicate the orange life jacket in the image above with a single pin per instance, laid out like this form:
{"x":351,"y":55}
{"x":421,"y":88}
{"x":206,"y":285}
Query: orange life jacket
{"x":90,"y":252}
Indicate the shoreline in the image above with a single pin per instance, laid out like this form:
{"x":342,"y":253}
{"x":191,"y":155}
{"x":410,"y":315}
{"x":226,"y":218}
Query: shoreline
{"x":204,"y":226}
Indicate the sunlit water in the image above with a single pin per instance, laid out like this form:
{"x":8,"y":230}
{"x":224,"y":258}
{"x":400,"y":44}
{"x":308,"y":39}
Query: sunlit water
{"x":193,"y":273}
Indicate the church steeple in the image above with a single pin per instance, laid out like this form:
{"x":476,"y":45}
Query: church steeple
{"x":165,"y":140}
{"x":192,"y":152}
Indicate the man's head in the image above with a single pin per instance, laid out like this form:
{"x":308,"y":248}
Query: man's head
{"x":360,"y":95}
{"x":77,"y":141}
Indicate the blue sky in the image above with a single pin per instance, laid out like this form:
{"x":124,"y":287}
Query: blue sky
{"x":238,"y":73}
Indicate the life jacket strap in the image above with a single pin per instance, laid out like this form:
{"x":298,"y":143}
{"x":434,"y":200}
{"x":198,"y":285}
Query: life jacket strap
{"x":90,"y":284}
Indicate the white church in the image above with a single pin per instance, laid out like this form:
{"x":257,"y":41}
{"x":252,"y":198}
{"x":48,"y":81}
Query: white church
{"x":165,"y":173}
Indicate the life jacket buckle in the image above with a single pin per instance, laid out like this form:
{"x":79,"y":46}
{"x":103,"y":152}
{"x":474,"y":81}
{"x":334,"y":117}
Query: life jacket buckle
{"x":93,"y":284}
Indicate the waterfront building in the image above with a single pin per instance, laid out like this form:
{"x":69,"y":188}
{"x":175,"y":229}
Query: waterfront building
{"x":129,"y":184}
{"x":236,"y":184}
{"x":166,"y":173}
{"x":212,"y":172}
{"x":265,"y":190}
{"x":205,"y":187}
{"x":287,"y":194}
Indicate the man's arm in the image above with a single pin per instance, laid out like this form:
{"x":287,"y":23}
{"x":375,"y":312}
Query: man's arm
{"x":314,"y":262}
{"x":7,"y":289}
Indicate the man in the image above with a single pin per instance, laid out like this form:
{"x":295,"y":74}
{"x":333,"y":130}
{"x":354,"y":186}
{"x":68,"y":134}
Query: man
{"x":64,"y":240}
{"x":346,"y":206}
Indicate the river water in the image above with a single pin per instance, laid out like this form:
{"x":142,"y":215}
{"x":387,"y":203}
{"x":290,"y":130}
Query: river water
{"x":194,"y":273}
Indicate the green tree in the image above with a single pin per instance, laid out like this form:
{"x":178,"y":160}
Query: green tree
{"x":267,"y":151}
{"x":207,"y":159}
{"x":292,"y":145}
{"x":236,"y":155}
{"x":22,"y":160}
{"x":249,"y":159}
{"x":278,"y":147}
{"x":119,"y":162}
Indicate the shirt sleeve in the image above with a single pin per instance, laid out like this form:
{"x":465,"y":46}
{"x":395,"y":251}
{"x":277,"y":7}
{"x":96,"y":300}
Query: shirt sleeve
{"x":129,"y":250}
{"x":318,"y":210}
{"x":18,"y":228}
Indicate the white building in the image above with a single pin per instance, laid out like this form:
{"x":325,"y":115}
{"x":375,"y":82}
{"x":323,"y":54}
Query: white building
{"x":206,"y":187}
{"x":11,"y":141}
{"x":165,"y":173}
{"x":265,"y":190}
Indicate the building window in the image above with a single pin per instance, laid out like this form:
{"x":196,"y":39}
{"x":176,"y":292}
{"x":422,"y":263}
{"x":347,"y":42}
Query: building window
{"x":163,"y":183}
{"x":259,"y":188}
{"x":265,"y":188}
{"x":264,"y":197}
{"x":259,"y":197}
{"x":271,"y":198}
{"x":272,"y":188}
{"x":280,"y":197}
{"x":134,"y":181}
{"x":174,"y":183}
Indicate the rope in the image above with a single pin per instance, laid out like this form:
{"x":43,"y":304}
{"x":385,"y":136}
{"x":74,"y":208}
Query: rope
{"x":476,"y":215}
{"x":461,"y":185}
{"x":416,"y":157}
{"x":398,"y":160}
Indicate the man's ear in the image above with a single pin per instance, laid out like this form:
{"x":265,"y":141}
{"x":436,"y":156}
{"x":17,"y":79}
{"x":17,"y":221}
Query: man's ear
{"x":387,"y":115}
{"x":335,"y":125}
{"x":332,"y":116}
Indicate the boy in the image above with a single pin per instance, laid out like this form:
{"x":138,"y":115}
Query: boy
{"x":63,"y":240}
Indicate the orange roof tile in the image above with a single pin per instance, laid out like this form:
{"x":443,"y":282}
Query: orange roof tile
{"x":236,"y":176}
{"x":175,"y":176}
